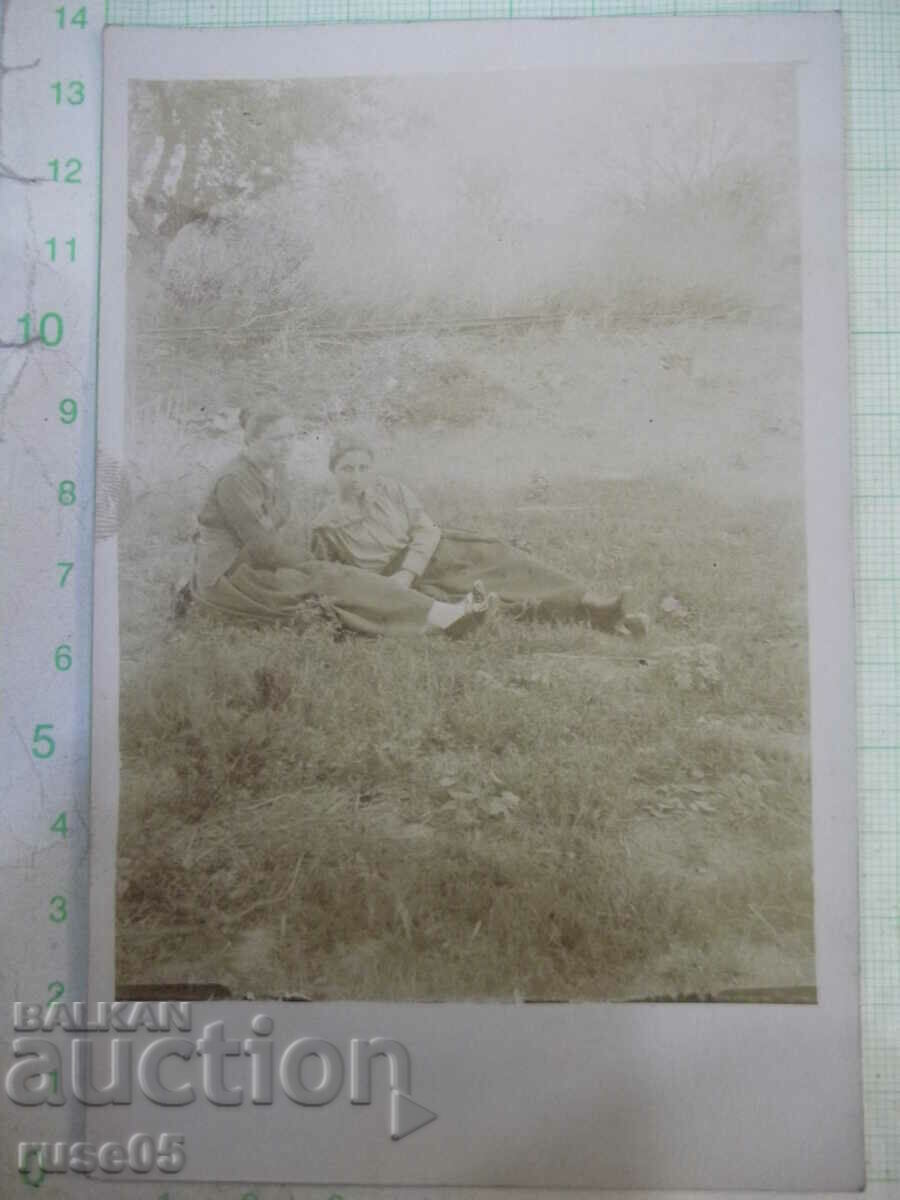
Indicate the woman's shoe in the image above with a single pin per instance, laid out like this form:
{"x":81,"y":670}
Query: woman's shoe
{"x":478,"y":606}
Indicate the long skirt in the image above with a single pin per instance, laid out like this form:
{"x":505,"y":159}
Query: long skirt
{"x":361,"y":601}
{"x":525,"y":586}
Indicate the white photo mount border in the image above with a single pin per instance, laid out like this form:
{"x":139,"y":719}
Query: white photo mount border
{"x":667,"y":1095}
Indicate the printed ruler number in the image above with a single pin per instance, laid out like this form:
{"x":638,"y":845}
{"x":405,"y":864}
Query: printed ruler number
{"x":70,"y":171}
{"x":42,"y":745}
{"x":50,"y":329}
{"x":60,"y":825}
{"x":70,"y":244}
{"x":70,"y":93}
{"x":68,"y":411}
{"x":65,"y":572}
{"x":78,"y":18}
{"x":66,"y":494}
{"x":58,"y":909}
{"x":62,"y":658}
{"x":56,"y":990}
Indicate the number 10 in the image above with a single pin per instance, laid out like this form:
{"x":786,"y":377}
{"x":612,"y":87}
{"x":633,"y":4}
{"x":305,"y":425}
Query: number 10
{"x":50,"y":328}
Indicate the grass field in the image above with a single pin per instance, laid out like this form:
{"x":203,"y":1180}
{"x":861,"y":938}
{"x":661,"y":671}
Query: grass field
{"x":542,"y":812}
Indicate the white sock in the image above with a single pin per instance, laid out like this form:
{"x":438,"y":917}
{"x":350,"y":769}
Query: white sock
{"x":442,"y":615}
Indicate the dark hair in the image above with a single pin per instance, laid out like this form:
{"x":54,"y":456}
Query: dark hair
{"x":254,"y":421}
{"x":346,"y":443}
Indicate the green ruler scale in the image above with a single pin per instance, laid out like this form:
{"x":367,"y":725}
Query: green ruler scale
{"x":50,"y":103}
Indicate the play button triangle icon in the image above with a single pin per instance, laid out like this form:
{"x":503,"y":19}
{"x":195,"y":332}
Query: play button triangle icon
{"x":407,"y":1116}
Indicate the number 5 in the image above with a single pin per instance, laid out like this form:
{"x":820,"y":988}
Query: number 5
{"x":42,"y":745}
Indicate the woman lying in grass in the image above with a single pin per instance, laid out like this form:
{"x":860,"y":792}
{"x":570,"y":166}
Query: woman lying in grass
{"x":378,"y":526}
{"x":251,"y":559}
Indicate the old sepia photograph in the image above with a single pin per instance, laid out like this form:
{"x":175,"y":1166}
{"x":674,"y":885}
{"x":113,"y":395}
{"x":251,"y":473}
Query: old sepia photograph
{"x":463,"y":638}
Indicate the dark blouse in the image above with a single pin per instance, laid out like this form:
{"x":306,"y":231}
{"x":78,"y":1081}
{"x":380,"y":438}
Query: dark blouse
{"x":243,"y":514}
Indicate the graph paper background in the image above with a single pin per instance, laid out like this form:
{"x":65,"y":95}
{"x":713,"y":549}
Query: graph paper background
{"x":872,"y":108}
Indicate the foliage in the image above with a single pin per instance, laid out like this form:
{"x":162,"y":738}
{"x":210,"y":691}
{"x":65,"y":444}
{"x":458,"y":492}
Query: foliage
{"x":335,"y":203}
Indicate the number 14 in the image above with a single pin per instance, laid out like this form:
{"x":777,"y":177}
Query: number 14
{"x":79,"y":18}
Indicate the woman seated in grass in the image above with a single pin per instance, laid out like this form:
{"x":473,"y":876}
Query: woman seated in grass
{"x":377,"y":525}
{"x":251,"y":557}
